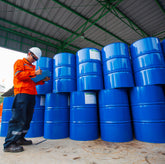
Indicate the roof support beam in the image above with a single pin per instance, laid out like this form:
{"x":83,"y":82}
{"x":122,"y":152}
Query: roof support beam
{"x":159,"y":35}
{"x":123,"y":18}
{"x":160,"y":6}
{"x":31,"y":38}
{"x":46,"y":20}
{"x":90,"y":20}
{"x":42,"y":35}
{"x":85,"y":27}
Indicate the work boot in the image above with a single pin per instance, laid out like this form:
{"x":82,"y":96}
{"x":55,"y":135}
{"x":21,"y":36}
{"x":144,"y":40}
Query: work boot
{"x":14,"y":148}
{"x":23,"y":141}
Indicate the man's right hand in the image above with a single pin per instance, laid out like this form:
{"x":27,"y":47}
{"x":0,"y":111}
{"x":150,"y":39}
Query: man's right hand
{"x":38,"y":71}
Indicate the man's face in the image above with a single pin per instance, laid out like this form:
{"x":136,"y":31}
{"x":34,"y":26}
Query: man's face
{"x":32,"y":58}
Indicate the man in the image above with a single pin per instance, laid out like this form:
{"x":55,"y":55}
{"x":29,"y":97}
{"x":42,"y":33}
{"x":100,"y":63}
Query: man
{"x":24,"y":101}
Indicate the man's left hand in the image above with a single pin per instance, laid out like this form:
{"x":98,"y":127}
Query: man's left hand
{"x":46,"y":79}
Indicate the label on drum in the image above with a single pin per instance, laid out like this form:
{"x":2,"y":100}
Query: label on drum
{"x":42,"y":101}
{"x":94,"y":54}
{"x":90,"y":98}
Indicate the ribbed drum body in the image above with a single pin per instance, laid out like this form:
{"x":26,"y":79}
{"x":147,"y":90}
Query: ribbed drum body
{"x":6,"y":115}
{"x":56,"y":124}
{"x":89,"y":69}
{"x":83,"y":116}
{"x":148,"y":62}
{"x":148,"y":112}
{"x":37,"y":123}
{"x":45,"y":63}
{"x":64,"y":73}
{"x":117,"y":67}
{"x":115,"y":120}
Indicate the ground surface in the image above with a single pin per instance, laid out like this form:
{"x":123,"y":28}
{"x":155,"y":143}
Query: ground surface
{"x":67,"y":151}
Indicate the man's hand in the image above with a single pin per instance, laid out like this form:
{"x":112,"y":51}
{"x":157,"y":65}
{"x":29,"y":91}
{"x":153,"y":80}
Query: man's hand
{"x":46,"y":79}
{"x":38,"y":72}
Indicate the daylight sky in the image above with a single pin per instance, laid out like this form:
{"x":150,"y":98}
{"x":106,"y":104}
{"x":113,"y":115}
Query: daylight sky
{"x":7,"y":59}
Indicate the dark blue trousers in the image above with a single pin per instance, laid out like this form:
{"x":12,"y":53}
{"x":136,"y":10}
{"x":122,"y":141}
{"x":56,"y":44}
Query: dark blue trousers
{"x":22,"y":113}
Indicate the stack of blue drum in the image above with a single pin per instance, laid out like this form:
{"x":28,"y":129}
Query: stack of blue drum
{"x":147,"y":98}
{"x":83,"y":102}
{"x":56,"y":122}
{"x":114,"y":111}
{"x":67,"y":105}
{"x":6,"y":115}
{"x":37,"y":123}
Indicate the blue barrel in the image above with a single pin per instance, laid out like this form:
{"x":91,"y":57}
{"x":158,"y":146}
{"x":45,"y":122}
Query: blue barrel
{"x":145,"y":46}
{"x":148,"y":62}
{"x":89,"y":69}
{"x":6,"y":115}
{"x":64,"y":73}
{"x":83,"y":116}
{"x":115,"y":118}
{"x":117,"y":67}
{"x":56,"y":124}
{"x":45,"y":63}
{"x":37,"y":123}
{"x":148,"y":112}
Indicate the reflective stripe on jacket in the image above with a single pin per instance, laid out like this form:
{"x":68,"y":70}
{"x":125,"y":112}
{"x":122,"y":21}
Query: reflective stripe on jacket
{"x":23,"y":71}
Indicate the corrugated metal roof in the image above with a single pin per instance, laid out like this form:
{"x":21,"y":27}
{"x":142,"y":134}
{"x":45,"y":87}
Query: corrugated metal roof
{"x":60,"y":25}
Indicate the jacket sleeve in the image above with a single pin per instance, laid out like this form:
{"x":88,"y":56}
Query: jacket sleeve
{"x":40,"y":83}
{"x":20,"y":73}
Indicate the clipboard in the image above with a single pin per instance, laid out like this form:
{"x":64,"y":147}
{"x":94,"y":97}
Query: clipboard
{"x":45,"y":73}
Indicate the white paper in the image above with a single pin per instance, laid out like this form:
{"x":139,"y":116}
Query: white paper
{"x":94,"y":54}
{"x":90,"y":98}
{"x":42,"y":101}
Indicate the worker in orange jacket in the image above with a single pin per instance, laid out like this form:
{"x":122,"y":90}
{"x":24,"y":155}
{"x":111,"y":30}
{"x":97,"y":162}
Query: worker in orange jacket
{"x":24,"y":101}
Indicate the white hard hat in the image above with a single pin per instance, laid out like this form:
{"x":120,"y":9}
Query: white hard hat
{"x":36,"y":51}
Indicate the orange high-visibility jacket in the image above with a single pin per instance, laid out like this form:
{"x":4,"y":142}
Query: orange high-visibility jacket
{"x":23,"y":72}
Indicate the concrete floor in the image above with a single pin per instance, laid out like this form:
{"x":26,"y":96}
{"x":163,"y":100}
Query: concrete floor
{"x":67,"y":151}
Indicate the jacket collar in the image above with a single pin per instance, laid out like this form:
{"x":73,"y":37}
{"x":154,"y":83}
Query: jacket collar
{"x":27,"y":62}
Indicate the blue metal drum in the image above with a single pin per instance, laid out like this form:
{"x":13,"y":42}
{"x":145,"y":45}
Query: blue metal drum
{"x":145,"y":46}
{"x":45,"y":63}
{"x":148,"y":112}
{"x":64,"y":73}
{"x":148,"y":62}
{"x":37,"y":123}
{"x":89,"y":69}
{"x":6,"y":115}
{"x":56,"y":124}
{"x":117,"y":67}
{"x":83,"y":116}
{"x":115,"y":119}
